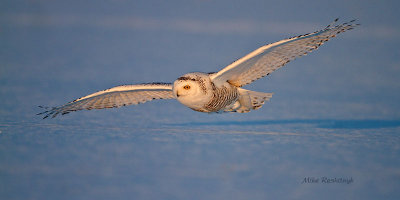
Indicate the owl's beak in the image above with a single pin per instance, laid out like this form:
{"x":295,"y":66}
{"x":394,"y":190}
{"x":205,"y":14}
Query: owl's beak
{"x":177,"y":94}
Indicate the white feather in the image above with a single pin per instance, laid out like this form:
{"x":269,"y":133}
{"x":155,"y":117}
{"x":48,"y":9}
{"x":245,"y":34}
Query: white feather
{"x":269,"y":58}
{"x":115,"y":97}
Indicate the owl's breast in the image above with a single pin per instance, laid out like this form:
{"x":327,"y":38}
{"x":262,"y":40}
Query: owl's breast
{"x":221,"y":97}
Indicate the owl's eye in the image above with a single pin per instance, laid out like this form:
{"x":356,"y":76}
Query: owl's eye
{"x":186,"y":87}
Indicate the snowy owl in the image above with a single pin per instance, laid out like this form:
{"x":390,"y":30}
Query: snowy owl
{"x":212,"y":92}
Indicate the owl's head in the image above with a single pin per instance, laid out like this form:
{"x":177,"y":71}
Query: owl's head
{"x":192,"y":89}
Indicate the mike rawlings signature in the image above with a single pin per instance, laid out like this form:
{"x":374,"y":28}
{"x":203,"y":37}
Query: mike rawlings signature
{"x":326,"y":180}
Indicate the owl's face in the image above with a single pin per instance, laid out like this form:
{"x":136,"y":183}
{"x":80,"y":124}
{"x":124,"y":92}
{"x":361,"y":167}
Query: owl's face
{"x":186,"y":88}
{"x":192,"y":89}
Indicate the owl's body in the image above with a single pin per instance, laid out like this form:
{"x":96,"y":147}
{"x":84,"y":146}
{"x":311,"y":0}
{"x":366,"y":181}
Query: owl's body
{"x":204,"y":95}
{"x":212,"y":92}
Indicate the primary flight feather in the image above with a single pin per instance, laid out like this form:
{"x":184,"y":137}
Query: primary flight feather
{"x":212,"y":92}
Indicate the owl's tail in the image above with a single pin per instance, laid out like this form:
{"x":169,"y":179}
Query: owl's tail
{"x":249,"y":100}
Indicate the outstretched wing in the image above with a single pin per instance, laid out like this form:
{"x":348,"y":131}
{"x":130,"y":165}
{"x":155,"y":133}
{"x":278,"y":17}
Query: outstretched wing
{"x":115,"y":97}
{"x":269,"y":58}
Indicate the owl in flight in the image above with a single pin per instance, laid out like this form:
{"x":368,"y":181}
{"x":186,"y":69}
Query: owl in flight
{"x":212,"y":92}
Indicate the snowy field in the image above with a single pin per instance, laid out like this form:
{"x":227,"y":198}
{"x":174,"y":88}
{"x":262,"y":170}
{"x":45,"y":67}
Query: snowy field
{"x":331,"y":130}
{"x":217,"y":160}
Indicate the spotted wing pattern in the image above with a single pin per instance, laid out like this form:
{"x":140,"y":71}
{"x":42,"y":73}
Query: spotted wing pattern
{"x":271,"y":57}
{"x":114,"y":97}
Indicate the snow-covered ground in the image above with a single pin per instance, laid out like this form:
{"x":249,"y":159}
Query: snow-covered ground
{"x":331,"y":130}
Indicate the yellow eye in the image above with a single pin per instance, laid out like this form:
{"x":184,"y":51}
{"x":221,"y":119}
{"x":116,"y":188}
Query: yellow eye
{"x":186,"y":87}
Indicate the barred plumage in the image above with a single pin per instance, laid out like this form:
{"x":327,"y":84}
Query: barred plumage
{"x":222,"y":97}
{"x":266,"y":59}
{"x":114,"y":98}
{"x":213,"y":92}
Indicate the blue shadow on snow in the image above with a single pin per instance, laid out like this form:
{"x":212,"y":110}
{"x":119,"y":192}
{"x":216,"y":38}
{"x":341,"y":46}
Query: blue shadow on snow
{"x":319,"y":123}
